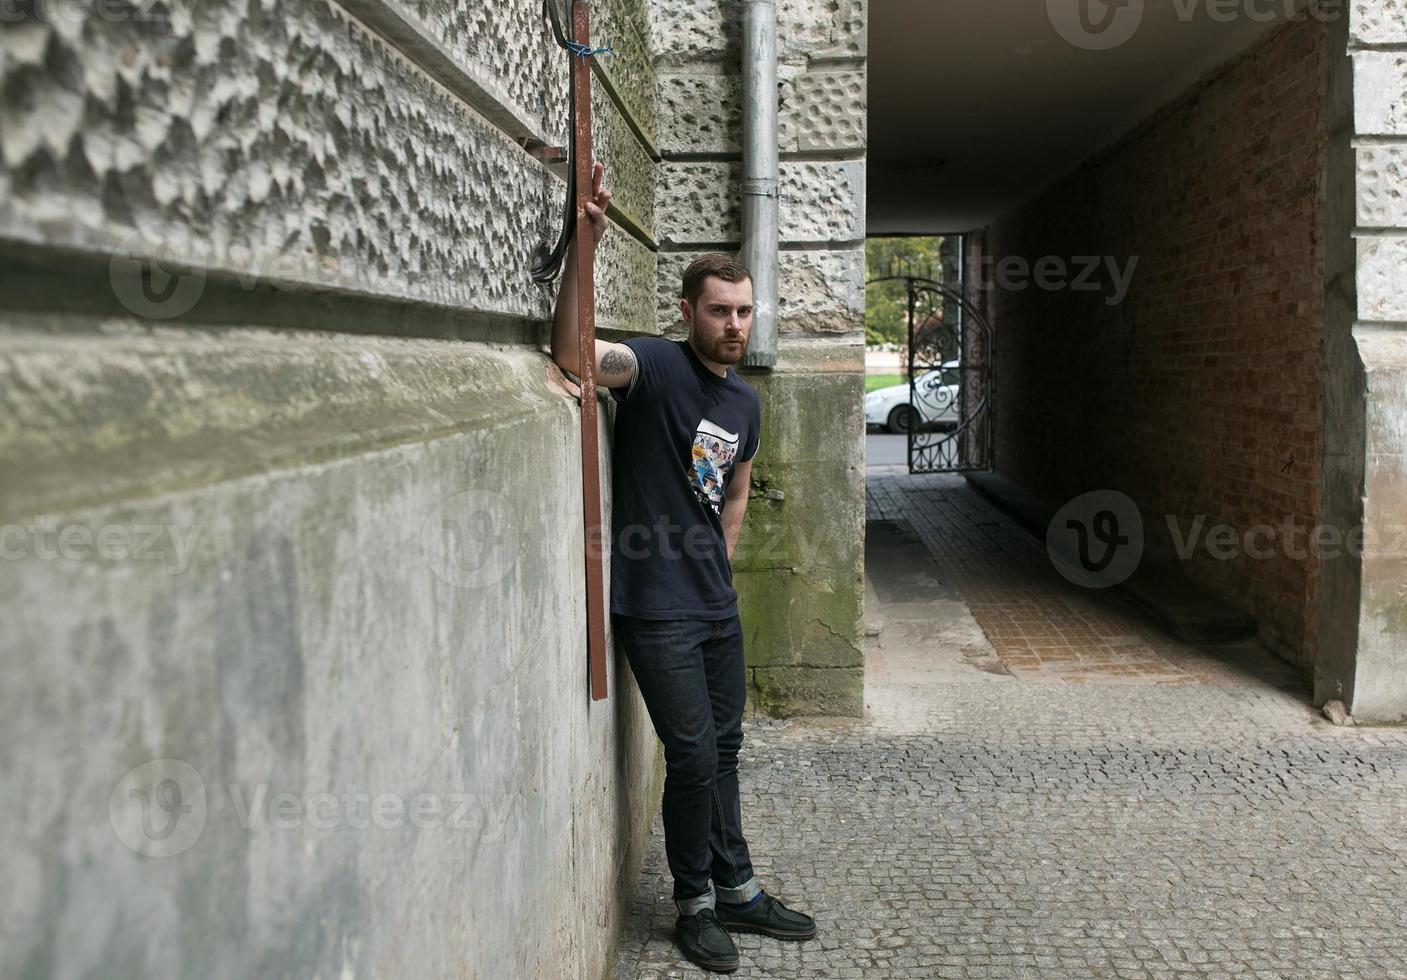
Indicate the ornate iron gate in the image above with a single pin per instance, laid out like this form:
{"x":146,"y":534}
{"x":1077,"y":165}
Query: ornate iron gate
{"x":949,"y":419}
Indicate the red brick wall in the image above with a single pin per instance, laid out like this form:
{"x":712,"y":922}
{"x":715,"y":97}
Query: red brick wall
{"x":1200,"y":393}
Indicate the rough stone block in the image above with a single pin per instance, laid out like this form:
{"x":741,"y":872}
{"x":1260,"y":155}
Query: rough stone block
{"x":1379,"y":21}
{"x":701,"y":203}
{"x":637,"y":13}
{"x":363,"y":175}
{"x":507,"y":48}
{"x":700,"y":113}
{"x":821,"y":291}
{"x":627,"y":274}
{"x":825,"y":111}
{"x":821,"y":353}
{"x":1382,"y":279}
{"x":691,"y":31}
{"x":632,"y":173}
{"x":791,"y":524}
{"x":819,"y":111}
{"x":1380,"y":92}
{"x":1382,"y":176}
{"x":629,"y":71}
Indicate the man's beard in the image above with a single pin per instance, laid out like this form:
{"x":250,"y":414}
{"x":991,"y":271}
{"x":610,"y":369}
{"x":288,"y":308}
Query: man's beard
{"x":726,"y":353}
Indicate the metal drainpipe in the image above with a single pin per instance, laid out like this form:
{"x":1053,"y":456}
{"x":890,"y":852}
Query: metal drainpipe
{"x":760,"y":181}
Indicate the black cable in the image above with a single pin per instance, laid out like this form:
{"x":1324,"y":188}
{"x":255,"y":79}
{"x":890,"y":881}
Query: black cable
{"x":546,"y":267}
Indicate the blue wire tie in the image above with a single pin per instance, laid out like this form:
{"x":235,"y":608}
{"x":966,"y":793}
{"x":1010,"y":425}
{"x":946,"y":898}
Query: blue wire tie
{"x":584,"y":51}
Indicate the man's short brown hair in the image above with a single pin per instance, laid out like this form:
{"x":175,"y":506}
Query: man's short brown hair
{"x":718,"y":264}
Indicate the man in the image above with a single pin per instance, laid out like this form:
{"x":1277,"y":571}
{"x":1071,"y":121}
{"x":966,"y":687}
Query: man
{"x":685,"y":435}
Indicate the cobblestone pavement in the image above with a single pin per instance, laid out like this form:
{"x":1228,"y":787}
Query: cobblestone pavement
{"x":986,"y":820}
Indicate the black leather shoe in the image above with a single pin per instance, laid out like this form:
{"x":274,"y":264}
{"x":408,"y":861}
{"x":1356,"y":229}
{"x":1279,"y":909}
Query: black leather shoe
{"x":704,"y":940}
{"x":768,"y":916}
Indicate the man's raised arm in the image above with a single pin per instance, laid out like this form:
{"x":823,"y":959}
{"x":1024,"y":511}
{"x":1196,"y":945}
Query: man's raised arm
{"x":615,"y":363}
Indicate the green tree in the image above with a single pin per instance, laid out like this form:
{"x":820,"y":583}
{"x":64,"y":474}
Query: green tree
{"x":886,"y":306}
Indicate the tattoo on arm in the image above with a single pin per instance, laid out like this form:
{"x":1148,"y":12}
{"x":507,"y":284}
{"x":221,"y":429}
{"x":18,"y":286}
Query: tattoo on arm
{"x":621,"y":361}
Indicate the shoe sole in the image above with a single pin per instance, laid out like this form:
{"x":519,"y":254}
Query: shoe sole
{"x":763,"y":930}
{"x":717,"y":966}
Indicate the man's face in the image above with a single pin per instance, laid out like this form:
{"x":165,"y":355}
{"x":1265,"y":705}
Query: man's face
{"x":721,"y":320}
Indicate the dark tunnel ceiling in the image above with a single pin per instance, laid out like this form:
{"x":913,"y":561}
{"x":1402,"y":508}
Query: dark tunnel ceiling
{"x":975,"y":105}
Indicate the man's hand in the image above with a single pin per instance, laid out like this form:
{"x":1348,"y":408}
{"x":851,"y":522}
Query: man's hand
{"x":596,"y":203}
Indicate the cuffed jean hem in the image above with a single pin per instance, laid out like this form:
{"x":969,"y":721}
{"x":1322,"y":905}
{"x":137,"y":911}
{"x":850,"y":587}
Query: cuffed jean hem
{"x":745,"y":892}
{"x":691,"y":906}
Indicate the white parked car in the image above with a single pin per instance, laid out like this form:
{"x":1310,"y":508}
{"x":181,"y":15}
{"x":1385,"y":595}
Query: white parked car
{"x":936,"y":396}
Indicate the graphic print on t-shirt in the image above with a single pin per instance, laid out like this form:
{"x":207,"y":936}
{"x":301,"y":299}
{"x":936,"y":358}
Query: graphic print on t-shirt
{"x":712,"y":457}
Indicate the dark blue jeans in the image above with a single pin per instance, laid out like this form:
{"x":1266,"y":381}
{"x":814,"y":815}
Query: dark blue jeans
{"x":691,"y":675}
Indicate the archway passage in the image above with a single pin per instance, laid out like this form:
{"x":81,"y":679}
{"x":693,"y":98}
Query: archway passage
{"x":1159,"y":213}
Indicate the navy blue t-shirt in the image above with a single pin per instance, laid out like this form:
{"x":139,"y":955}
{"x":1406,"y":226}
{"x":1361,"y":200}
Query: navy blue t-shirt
{"x":680,"y":429}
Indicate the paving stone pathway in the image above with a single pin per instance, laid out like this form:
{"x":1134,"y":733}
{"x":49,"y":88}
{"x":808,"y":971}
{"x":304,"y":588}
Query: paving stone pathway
{"x":1136,"y":808}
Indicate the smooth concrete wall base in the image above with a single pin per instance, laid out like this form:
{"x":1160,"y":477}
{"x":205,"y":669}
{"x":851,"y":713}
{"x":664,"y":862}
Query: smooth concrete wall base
{"x":1380,"y":673}
{"x":383,"y":622}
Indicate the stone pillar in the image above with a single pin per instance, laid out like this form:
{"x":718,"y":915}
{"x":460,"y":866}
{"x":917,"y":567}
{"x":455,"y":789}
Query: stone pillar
{"x":1366,"y":471}
{"x":799,"y":567}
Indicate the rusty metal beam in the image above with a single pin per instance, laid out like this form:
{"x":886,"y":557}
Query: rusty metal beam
{"x":585,"y":254}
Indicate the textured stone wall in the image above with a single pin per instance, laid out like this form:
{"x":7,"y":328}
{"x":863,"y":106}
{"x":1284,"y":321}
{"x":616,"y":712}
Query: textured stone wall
{"x":800,"y":559}
{"x":1200,"y":393}
{"x":288,"y":495}
{"x":364,"y":175}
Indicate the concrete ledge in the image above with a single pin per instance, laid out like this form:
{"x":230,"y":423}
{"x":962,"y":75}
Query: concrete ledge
{"x":1188,"y":611}
{"x":87,"y":418}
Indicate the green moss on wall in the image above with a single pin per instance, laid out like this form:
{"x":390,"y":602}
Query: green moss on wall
{"x":800,"y":559}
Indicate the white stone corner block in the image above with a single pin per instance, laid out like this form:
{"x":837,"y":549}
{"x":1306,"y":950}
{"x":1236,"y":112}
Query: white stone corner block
{"x":1382,"y":279}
